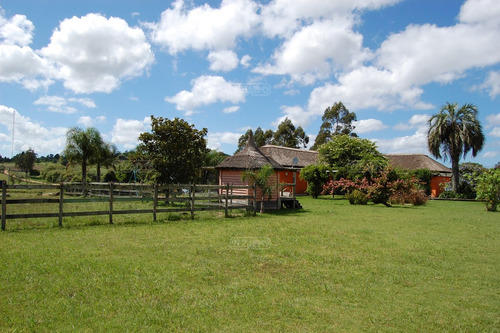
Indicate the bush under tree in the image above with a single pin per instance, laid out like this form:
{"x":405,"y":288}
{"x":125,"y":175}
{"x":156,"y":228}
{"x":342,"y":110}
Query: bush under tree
{"x":488,"y":189}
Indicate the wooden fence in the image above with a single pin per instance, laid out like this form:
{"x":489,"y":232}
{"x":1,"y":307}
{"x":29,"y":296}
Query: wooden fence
{"x":191,"y":198}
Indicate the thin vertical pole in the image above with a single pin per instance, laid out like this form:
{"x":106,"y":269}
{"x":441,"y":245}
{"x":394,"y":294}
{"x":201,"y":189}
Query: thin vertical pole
{"x":155,"y":199}
{"x":4,"y":203}
{"x":61,"y":203}
{"x":111,"y":203}
{"x":293,"y":188}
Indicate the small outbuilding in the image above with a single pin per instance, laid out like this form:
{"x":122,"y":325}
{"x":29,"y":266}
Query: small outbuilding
{"x":252,"y":158}
{"x":440,"y":173}
{"x":293,"y":160}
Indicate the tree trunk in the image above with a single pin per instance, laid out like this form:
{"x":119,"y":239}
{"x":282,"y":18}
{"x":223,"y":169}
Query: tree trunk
{"x":454,"y":173}
{"x":262,"y":205}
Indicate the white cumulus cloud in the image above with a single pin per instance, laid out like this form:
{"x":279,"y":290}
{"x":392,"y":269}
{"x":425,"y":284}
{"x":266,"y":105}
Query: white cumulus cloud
{"x":64,"y":105}
{"x":224,"y":61}
{"x":200,"y":28}
{"x":368,"y":125}
{"x":94,"y":53}
{"x":208,"y":90}
{"x":126,"y":131}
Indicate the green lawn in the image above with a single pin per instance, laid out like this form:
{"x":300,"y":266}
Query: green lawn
{"x":330,"y":267}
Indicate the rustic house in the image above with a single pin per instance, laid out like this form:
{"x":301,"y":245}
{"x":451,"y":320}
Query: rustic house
{"x":441,"y":173}
{"x":293,"y":160}
{"x":252,"y":158}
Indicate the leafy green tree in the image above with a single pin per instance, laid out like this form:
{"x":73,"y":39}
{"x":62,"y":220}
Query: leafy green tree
{"x":351,"y":156}
{"x":454,"y":132}
{"x":287,"y":135}
{"x":260,"y":137}
{"x":175,"y":149}
{"x":468,"y":178}
{"x":337,"y":120}
{"x":488,"y":189}
{"x":260,"y":178}
{"x":25,"y":161}
{"x":82,"y":146}
{"x":316,"y":176}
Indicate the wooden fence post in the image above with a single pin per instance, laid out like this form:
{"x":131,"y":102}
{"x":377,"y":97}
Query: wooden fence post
{"x":226,"y":202}
{"x":192,"y":201}
{"x":254,"y":199}
{"x":61,"y":203}
{"x":231,"y":198}
{"x":155,"y":199}
{"x":4,"y":203}
{"x":111,"y":203}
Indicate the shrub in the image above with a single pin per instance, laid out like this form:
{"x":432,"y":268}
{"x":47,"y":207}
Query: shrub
{"x":488,"y":189}
{"x":424,"y":176}
{"x":110,"y":177}
{"x":417,"y":197}
{"x":316,"y":176}
{"x":357,"y":197}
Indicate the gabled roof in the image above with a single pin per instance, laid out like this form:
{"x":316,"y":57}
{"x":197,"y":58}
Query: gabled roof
{"x":416,"y":161}
{"x":290,"y":157}
{"x":249,"y":157}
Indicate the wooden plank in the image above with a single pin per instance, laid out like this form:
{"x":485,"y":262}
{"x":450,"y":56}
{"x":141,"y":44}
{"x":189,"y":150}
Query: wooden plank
{"x":85,"y":200}
{"x":61,"y":203}
{"x":30,"y":216}
{"x":94,"y":213}
{"x":192,"y":200}
{"x":155,"y":201}
{"x":111,"y":203}
{"x":32,"y":187}
{"x":34,"y":201}
{"x":4,"y":203}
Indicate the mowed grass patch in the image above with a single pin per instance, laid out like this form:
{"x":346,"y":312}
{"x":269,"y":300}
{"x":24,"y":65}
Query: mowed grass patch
{"x":329,"y":267}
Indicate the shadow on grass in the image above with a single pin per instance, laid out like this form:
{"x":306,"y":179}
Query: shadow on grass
{"x":280,"y":212}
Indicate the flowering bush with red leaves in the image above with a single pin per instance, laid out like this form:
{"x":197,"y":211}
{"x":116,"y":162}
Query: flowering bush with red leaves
{"x":379,"y":189}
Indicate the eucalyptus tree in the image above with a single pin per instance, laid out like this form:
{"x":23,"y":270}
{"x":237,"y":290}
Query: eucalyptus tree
{"x":337,"y":120}
{"x":454,"y":132}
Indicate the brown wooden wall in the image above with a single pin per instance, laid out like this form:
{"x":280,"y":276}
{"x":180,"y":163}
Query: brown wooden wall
{"x":234,"y":177}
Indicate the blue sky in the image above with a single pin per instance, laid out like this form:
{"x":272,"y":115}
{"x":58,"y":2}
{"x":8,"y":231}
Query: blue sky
{"x":237,"y":64}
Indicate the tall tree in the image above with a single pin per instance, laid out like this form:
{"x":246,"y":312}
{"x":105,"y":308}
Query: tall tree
{"x":25,"y":160}
{"x":453,"y":132}
{"x":175,"y":149}
{"x":287,"y":135}
{"x":337,"y":120}
{"x":260,"y":137}
{"x":82,"y":146}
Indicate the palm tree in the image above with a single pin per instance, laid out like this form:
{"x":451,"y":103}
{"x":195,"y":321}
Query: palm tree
{"x":454,"y":132}
{"x":105,"y":156}
{"x":82,"y":147}
{"x":261,"y":179}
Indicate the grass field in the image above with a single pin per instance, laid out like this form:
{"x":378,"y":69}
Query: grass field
{"x":330,"y":267}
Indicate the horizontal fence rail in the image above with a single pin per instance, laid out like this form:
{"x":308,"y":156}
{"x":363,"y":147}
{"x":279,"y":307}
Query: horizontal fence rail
{"x":188,"y":198}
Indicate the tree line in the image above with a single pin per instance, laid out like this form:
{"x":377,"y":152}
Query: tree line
{"x":175,"y":151}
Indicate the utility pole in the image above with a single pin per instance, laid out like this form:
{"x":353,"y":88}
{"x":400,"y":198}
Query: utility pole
{"x":13,"y":129}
